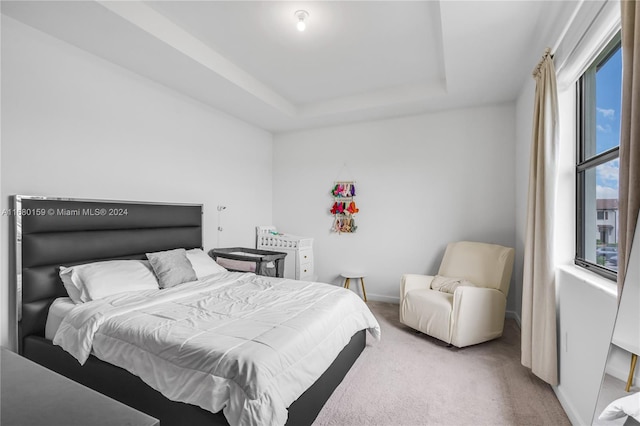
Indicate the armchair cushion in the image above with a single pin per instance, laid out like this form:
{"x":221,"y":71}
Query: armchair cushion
{"x":449,"y":285}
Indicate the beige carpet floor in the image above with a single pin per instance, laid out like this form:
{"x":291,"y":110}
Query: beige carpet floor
{"x":408,"y":378}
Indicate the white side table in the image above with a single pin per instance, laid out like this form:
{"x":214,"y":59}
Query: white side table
{"x":355,"y":275}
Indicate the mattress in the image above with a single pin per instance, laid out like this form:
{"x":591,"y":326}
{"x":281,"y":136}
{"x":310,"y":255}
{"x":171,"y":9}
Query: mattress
{"x":58,"y":310}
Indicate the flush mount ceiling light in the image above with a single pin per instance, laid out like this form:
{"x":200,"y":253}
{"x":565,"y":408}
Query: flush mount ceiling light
{"x":301,"y":15}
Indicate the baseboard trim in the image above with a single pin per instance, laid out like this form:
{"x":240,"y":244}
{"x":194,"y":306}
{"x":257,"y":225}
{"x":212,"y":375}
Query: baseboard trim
{"x":619,"y":373}
{"x":514,"y":315}
{"x":382,"y":298}
{"x":568,"y":408}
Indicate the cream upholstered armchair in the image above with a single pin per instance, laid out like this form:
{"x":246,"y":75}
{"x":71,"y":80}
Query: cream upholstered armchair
{"x":470,"y":314}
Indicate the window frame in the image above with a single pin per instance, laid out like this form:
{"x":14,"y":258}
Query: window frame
{"x":585,"y":107}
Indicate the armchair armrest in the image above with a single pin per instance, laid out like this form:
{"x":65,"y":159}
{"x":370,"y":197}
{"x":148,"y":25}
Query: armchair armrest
{"x":413,"y":282}
{"x":478,"y":315}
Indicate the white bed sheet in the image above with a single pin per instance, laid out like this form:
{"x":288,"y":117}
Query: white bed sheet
{"x":57,"y":311}
{"x":245,"y":344}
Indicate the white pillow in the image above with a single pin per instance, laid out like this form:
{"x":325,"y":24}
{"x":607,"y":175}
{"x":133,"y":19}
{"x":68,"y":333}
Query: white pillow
{"x":626,"y":406}
{"x":93,"y":281}
{"x":203,"y":264}
{"x":75,"y":294}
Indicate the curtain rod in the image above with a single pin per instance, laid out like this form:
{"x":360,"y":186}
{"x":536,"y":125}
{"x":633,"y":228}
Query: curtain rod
{"x":547,"y":53}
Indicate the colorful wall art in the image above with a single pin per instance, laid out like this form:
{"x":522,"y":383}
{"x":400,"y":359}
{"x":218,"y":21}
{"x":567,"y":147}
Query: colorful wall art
{"x":344,"y":207}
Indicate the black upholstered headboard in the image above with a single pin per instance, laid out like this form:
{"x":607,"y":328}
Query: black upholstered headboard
{"x":60,"y":231}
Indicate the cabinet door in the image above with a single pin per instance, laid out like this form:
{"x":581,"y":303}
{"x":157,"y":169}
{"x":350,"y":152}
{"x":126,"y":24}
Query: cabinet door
{"x":305,"y":264}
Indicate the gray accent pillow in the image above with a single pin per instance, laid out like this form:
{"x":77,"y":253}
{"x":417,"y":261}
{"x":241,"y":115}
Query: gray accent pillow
{"x":172,"y":267}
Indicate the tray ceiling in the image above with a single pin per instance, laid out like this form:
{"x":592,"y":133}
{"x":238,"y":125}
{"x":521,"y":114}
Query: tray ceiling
{"x":357,"y":60}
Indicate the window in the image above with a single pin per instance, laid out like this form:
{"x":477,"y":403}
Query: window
{"x":599,"y":100}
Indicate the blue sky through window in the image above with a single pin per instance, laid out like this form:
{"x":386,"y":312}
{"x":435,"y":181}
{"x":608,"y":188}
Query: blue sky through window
{"x":608,"y":101}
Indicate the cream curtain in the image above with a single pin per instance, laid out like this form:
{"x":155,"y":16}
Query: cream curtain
{"x":539,"y":350}
{"x":629,"y":136}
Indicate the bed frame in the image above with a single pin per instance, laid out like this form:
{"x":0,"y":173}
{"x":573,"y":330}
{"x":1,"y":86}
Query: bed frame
{"x":61,"y":231}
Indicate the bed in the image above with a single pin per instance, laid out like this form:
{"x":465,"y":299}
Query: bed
{"x":51,"y":232}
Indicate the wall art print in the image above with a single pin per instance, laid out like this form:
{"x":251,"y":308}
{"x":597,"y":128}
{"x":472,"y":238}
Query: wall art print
{"x":344,"y":207}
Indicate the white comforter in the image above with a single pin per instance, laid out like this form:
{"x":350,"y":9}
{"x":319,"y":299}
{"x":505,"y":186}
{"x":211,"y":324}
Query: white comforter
{"x":242,"y":343}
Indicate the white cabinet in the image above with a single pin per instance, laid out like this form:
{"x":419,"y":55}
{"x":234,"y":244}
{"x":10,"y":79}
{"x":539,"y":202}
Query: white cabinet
{"x":303,"y":261}
{"x":299,"y":261}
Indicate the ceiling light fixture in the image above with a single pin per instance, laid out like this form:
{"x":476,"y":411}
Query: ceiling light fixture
{"x":301,"y":15}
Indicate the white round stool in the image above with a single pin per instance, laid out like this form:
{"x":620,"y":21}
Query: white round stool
{"x":354,"y":275}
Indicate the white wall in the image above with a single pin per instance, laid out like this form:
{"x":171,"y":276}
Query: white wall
{"x":524,"y":123}
{"x":587,"y":306}
{"x":75,"y":125}
{"x":422,"y":182}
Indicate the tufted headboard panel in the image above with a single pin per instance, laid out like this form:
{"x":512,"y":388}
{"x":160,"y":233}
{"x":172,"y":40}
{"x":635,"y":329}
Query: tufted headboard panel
{"x":51,"y":232}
